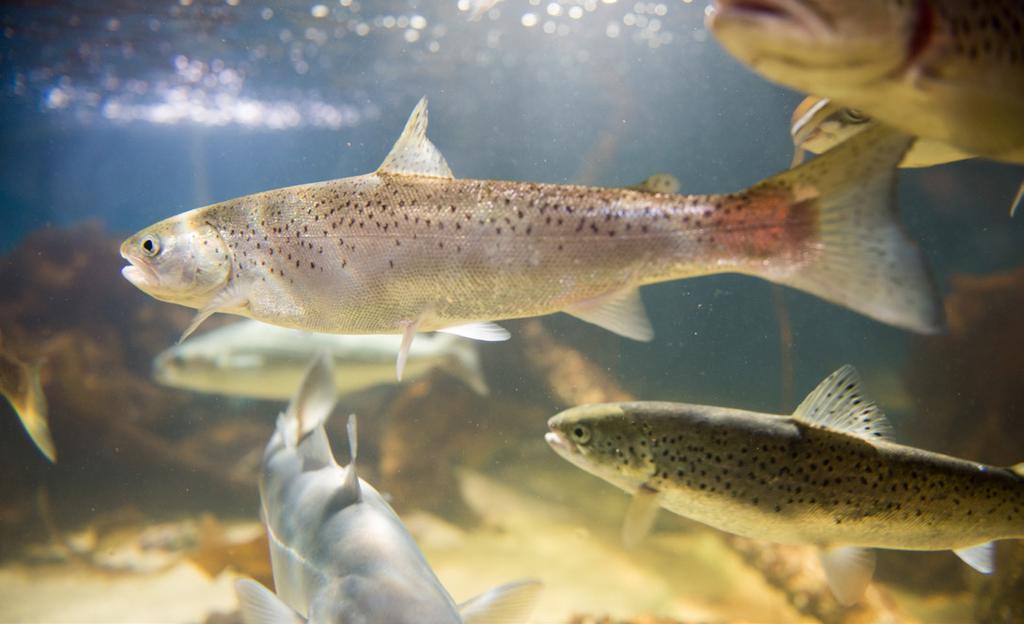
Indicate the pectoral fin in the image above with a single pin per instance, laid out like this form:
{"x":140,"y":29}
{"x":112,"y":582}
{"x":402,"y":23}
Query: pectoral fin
{"x":231,"y":297}
{"x":506,"y":604}
{"x":261,"y":606}
{"x":620,"y":311}
{"x":980,"y":557}
{"x":848,"y":571}
{"x":640,"y":516}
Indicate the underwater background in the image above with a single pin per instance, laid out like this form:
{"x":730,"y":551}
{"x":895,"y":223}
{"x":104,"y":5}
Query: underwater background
{"x":117,"y":114}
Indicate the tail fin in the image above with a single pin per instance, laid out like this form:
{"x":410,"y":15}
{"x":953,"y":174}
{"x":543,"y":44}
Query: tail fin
{"x":862,"y":258}
{"x":29,"y":403}
{"x":465,"y":365}
{"x":310,"y":407}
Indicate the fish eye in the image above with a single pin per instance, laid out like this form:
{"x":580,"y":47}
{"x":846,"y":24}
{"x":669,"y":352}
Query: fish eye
{"x":580,"y":434}
{"x":853,"y":115}
{"x":151,"y":246}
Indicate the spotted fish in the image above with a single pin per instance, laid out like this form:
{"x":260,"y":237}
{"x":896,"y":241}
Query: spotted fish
{"x":410,"y":248}
{"x":944,"y":70}
{"x":339,"y":553}
{"x":818,"y":125}
{"x":827,"y":475}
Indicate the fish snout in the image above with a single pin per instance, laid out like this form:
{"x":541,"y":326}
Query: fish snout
{"x":794,"y":14}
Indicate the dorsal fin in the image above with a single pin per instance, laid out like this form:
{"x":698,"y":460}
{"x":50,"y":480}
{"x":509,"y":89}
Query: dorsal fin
{"x":657,"y":183}
{"x":351,"y":486}
{"x":312,"y":403}
{"x":413,"y":153}
{"x":838,"y":404}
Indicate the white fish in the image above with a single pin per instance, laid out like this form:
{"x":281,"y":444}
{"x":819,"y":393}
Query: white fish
{"x":339,"y":553}
{"x":253,"y":359}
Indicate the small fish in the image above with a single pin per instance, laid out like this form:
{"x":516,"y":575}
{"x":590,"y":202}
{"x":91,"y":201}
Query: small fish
{"x":818,"y":125}
{"x":339,"y":553}
{"x":945,"y":70}
{"x":410,"y":248}
{"x":827,"y":476}
{"x":19,"y":384}
{"x":252,"y":359}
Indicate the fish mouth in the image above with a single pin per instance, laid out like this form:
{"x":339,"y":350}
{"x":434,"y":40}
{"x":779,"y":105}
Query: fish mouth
{"x":560,"y":444}
{"x":789,"y":14}
{"x":137,"y":272}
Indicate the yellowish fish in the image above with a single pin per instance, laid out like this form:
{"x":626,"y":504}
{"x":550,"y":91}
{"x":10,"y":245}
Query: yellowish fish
{"x":19,"y":384}
{"x":411,"y":248}
{"x":818,"y":125}
{"x":949,"y":71}
{"x":826,"y":476}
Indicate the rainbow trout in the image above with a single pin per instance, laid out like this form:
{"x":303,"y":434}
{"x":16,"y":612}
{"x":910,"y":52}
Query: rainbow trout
{"x":410,"y":248}
{"x":946,"y":70}
{"x":339,"y":553}
{"x":827,"y":476}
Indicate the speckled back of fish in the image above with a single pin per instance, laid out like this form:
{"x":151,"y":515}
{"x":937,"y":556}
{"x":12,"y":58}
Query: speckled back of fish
{"x":411,"y":248}
{"x":946,"y":70}
{"x":825,"y":476}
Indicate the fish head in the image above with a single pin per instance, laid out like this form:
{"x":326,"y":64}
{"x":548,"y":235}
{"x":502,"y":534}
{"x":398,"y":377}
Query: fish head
{"x":822,"y":46}
{"x":178,"y":260}
{"x":818,"y":124}
{"x":603,"y":440}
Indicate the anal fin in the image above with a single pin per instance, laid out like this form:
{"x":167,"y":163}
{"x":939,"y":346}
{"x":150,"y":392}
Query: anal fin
{"x":620,"y":311}
{"x":980,"y":557}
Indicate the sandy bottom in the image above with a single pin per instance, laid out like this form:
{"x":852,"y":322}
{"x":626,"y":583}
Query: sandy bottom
{"x":685,"y":572}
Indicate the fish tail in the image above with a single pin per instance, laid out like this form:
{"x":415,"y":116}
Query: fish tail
{"x":854,"y":252}
{"x":32,"y":410}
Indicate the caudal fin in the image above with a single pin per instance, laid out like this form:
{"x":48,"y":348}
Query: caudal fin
{"x":29,"y":403}
{"x":860,"y":256}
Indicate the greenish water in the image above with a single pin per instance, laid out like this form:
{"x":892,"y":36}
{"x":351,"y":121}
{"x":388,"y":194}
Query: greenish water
{"x":131,"y":112}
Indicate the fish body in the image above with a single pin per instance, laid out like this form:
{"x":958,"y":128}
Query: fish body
{"x":410,"y":248}
{"x":944,"y":70}
{"x":252,"y":359}
{"x":818,"y":125}
{"x":825,"y":476}
{"x":20,"y":385}
{"x":339,"y":552}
